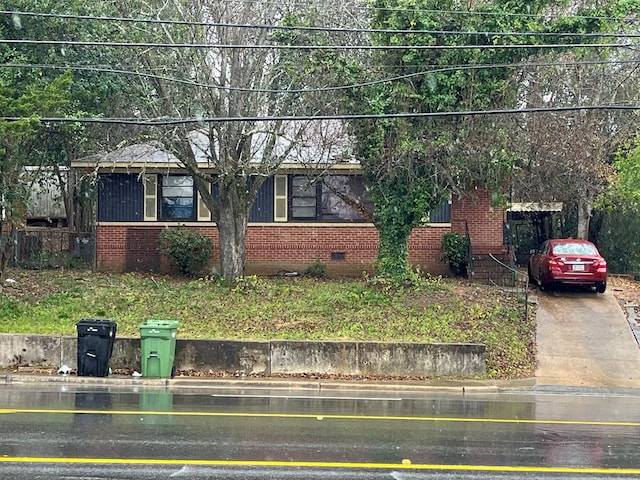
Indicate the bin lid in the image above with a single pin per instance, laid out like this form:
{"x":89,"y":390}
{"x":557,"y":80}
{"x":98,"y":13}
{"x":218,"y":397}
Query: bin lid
{"x":160,"y":324}
{"x":97,"y":321}
{"x":101,"y":327}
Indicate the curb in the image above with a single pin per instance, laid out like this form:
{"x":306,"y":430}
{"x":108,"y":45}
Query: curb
{"x":633,"y":320}
{"x":273,"y":383}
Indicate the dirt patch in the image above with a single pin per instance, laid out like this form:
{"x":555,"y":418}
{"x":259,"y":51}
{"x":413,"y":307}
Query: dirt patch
{"x":625,"y":288}
{"x":458,"y":292}
{"x":36,"y":284}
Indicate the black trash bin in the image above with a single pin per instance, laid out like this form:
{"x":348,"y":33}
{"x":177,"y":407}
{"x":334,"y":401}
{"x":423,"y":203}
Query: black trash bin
{"x":95,"y":346}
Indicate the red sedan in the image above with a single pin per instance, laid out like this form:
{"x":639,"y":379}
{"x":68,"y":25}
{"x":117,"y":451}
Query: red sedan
{"x":568,"y":261}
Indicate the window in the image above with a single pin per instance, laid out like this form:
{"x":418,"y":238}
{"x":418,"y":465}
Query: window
{"x":442,"y":214}
{"x":304,"y":198}
{"x":150,"y":197}
{"x":301,"y":198}
{"x":280,"y":198}
{"x":574,"y":249}
{"x":177,"y":198}
{"x":341,"y":196}
{"x":204,"y":215}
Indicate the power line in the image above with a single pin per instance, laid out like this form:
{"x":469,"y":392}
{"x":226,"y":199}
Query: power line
{"x":77,"y":43}
{"x":478,"y":13}
{"x":545,"y":15}
{"x":185,"y":121}
{"x":313,"y":90}
{"x":323,"y":29}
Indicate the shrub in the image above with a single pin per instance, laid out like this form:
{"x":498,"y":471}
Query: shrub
{"x":188,"y":251}
{"x":317,"y":269}
{"x":455,"y":251}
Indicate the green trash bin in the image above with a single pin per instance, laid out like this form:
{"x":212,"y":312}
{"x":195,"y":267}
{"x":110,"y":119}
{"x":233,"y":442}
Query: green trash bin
{"x":158,"y":347}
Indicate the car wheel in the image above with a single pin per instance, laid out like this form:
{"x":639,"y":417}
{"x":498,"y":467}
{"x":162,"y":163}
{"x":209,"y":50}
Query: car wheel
{"x":530,"y":273}
{"x":542,"y":285}
{"x":601,"y":287}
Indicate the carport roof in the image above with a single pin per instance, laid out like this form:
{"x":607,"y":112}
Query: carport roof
{"x":535,"y":207}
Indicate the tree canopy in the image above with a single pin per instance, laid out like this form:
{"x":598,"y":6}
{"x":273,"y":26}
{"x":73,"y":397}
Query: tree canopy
{"x":477,"y":50}
{"x":16,"y":142}
{"x":243,"y":77}
{"x":211,"y":60}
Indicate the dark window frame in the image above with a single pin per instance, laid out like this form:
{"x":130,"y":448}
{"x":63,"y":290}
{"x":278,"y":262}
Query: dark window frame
{"x":292,"y":199}
{"x":162,"y":209}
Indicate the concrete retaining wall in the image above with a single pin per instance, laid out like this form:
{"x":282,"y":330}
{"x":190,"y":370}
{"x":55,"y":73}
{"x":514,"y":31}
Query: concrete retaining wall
{"x":268,"y":357}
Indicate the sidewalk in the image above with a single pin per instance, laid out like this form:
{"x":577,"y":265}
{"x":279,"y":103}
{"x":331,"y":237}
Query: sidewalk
{"x":272,"y":383}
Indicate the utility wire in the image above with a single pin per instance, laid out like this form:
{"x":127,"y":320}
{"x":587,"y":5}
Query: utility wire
{"x":477,"y":13}
{"x":312,"y":90}
{"x":545,"y":15}
{"x":319,"y":29}
{"x":77,"y":43}
{"x":205,"y":120}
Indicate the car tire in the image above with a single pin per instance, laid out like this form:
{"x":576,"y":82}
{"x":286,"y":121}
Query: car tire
{"x":542,"y":285}
{"x":530,"y":273}
{"x":601,"y":287}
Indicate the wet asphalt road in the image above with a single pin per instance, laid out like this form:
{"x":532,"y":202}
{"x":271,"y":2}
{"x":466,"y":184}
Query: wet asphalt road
{"x":69,"y":431}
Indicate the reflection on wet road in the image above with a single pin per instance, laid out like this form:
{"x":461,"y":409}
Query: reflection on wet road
{"x":198,"y":433}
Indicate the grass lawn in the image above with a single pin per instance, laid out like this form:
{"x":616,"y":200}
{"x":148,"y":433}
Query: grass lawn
{"x":439,"y":310}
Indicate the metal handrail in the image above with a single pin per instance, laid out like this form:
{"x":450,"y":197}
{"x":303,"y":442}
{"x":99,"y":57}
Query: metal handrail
{"x":519,"y":278}
{"x":469,"y":251}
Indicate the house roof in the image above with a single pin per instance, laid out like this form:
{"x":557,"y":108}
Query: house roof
{"x":132,"y":156}
{"x":320,"y":145}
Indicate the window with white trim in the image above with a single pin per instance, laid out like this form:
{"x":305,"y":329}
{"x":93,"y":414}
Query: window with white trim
{"x":150,"y":197}
{"x":204,"y":214}
{"x":280,"y":198}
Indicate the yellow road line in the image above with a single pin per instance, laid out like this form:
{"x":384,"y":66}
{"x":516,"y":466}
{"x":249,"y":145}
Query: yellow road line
{"x":405,"y":465}
{"x":6,"y":411}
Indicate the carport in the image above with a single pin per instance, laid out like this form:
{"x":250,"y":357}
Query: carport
{"x":531,"y":223}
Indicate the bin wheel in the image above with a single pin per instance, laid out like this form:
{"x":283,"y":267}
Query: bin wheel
{"x":173,"y":371}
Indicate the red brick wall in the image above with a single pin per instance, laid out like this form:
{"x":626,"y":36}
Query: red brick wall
{"x":111,"y":248}
{"x":273,"y":248}
{"x":294,"y":247}
{"x":281,"y":247}
{"x":485,"y":222}
{"x":124,"y":248}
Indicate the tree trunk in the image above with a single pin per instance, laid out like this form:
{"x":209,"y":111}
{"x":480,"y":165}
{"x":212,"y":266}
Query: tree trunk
{"x":393,"y":251}
{"x":5,"y":250}
{"x":232,"y":230}
{"x":584,"y":216}
{"x":66,"y":183}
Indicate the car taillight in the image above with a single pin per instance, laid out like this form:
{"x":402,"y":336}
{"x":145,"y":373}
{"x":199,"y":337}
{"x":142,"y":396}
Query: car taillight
{"x":600,"y":263}
{"x":554,"y":262}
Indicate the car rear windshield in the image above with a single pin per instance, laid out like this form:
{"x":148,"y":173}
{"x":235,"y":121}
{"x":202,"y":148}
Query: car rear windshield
{"x":574,"y":249}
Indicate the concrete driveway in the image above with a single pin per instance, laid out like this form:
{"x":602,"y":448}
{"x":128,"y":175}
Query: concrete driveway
{"x":584,"y":339}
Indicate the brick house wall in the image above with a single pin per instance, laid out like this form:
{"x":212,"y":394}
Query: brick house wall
{"x":484,"y":221}
{"x":346,"y":249}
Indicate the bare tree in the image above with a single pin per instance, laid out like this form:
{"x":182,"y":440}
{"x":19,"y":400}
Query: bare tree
{"x":567,"y":156}
{"x":241,"y":77}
